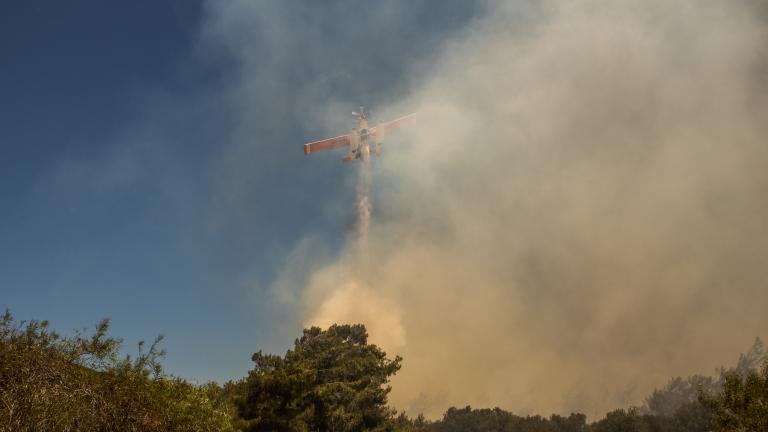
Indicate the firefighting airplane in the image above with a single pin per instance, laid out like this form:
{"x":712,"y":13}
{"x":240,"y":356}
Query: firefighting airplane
{"x":359,"y":140}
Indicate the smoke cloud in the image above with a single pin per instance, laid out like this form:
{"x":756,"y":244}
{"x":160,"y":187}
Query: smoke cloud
{"x":579,"y":214}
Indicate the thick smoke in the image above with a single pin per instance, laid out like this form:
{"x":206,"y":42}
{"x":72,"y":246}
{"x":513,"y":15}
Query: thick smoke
{"x":579,"y":214}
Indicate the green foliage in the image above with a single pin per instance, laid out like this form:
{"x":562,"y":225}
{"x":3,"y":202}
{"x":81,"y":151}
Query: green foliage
{"x":497,"y":420}
{"x":743,"y":403}
{"x":54,"y":383}
{"x":691,"y":417}
{"x":631,"y":421}
{"x":678,"y":405}
{"x":402,"y":423}
{"x":332,"y":380}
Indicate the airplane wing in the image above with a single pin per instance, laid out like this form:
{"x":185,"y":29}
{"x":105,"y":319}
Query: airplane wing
{"x":328,"y":144}
{"x":384,"y":128}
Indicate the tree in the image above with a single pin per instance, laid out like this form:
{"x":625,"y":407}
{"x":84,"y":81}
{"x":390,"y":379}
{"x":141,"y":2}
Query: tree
{"x":743,"y":403}
{"x":679,"y":402}
{"x":497,"y":420}
{"x":678,"y":393}
{"x":332,"y":380}
{"x":403,"y":423}
{"x":750,"y":361}
{"x":625,"y":421}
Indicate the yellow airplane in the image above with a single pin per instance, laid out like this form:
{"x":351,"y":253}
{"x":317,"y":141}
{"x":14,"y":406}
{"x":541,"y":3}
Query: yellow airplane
{"x":360,"y":139}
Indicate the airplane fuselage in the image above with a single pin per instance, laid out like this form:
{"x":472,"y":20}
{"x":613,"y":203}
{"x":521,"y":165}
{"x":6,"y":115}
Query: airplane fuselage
{"x":362,"y":140}
{"x":360,"y":147}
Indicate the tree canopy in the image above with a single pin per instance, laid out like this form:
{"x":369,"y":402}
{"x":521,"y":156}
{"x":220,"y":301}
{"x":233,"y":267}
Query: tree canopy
{"x":742,"y":405}
{"x":332,"y":380}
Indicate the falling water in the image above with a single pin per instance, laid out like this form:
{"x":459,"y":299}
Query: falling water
{"x":354,"y":300}
{"x":363,"y":215}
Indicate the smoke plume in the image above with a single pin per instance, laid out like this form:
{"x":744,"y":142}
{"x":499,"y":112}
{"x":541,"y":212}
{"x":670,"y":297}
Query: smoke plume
{"x":579,"y":214}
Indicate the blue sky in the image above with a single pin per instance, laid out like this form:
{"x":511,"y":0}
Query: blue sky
{"x":151,"y":166}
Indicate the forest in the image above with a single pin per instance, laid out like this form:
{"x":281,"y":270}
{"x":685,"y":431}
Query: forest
{"x":331,"y":380}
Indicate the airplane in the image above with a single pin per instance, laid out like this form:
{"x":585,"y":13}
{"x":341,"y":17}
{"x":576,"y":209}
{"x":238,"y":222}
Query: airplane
{"x":359,"y":140}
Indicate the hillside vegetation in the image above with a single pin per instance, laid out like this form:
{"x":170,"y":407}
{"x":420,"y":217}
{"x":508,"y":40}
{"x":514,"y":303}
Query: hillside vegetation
{"x":331,"y":380}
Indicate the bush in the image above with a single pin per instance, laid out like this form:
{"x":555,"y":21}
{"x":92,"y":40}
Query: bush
{"x":54,"y":383}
